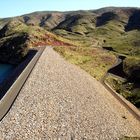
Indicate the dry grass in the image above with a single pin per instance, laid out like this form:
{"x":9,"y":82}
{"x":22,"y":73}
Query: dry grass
{"x":93,"y":60}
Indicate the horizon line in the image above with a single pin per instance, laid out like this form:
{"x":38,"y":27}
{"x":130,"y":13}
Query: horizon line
{"x":61,"y":11}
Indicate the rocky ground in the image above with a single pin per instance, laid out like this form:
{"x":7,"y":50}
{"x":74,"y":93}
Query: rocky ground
{"x":61,"y":101}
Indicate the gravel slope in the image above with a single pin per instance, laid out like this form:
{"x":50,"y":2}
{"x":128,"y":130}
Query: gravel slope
{"x":60,"y":101}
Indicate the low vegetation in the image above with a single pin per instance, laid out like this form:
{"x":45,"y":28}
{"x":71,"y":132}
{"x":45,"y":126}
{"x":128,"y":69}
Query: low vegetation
{"x":131,"y":67}
{"x":95,"y":60}
{"x":16,"y":38}
{"x":127,"y":89}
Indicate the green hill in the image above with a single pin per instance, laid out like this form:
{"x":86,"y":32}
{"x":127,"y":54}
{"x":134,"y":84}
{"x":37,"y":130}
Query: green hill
{"x":16,"y":38}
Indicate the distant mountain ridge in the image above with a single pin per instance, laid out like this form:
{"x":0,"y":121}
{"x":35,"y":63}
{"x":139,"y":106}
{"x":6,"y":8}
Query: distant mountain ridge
{"x":51,"y":19}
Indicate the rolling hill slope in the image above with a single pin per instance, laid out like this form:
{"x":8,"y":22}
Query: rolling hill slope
{"x":88,"y":36}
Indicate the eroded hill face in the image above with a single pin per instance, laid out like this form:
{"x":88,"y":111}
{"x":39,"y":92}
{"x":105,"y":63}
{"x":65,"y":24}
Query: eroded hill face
{"x":134,"y":21}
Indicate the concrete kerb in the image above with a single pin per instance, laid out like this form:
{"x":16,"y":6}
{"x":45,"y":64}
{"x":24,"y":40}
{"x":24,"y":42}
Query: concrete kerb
{"x":131,"y":108}
{"x":9,"y":97}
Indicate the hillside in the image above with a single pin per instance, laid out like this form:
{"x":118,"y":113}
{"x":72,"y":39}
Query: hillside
{"x":16,"y":38}
{"x":91,"y":39}
{"x":101,"y":25}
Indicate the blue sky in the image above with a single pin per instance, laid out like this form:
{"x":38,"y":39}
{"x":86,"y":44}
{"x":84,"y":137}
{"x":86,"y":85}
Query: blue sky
{"x":10,"y":8}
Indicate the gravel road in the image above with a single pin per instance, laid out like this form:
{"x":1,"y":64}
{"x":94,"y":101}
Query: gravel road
{"x":60,"y":101}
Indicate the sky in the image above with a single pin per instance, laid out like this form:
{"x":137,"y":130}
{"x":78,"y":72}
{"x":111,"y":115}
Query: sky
{"x":9,"y":8}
